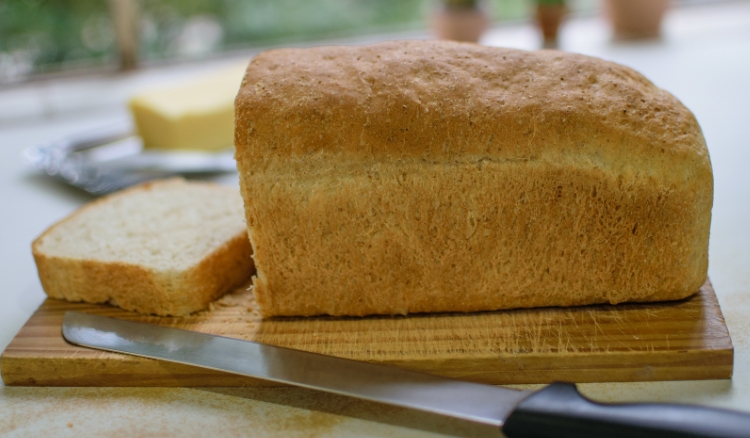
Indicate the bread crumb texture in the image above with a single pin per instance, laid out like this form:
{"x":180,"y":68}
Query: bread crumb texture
{"x":165,"y":248}
{"x":426,"y":176}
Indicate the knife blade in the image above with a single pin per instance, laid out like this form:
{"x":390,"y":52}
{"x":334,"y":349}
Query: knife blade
{"x":557,"y":410}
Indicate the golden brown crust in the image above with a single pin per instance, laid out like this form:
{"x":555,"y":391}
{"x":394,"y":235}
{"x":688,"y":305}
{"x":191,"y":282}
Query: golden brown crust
{"x":140,"y":288}
{"x":432,"y":176}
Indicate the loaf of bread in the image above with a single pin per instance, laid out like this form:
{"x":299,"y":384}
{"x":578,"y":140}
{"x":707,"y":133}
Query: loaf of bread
{"x":428,"y":176}
{"x":162,"y":248}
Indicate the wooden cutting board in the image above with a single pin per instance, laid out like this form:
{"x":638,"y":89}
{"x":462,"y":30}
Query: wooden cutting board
{"x":682,"y":340}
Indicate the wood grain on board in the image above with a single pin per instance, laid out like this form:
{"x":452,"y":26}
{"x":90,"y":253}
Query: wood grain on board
{"x":681,"y":340}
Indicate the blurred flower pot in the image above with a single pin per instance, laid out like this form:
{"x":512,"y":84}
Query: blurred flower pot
{"x":636,"y":19}
{"x":460,"y":20}
{"x":549,"y":17}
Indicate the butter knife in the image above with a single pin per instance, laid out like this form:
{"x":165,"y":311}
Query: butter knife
{"x":558,"y":410}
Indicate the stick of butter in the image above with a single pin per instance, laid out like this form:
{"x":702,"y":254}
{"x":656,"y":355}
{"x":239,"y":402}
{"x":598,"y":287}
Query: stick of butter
{"x":196,"y":115}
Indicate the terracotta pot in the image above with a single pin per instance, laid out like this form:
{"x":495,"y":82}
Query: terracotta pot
{"x":460,"y":24}
{"x":549,"y":17}
{"x":636,"y":19}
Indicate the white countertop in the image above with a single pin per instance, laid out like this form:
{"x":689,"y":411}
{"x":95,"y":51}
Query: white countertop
{"x":704,"y":60}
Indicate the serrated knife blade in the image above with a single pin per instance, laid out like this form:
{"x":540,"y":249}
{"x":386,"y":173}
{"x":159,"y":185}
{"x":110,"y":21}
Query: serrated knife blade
{"x":558,"y":410}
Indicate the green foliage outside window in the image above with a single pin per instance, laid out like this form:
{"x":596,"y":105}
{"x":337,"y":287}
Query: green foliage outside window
{"x":41,"y":36}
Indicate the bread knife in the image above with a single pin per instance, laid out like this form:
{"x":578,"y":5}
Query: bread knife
{"x":557,"y":410}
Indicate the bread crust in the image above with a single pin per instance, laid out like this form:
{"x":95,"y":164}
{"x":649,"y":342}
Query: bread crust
{"x":423,"y":176}
{"x":144,"y":289}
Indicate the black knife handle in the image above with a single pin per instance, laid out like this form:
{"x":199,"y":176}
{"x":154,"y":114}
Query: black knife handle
{"x":560,"y":411}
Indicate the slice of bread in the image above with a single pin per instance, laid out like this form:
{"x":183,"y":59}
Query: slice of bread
{"x":162,"y":248}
